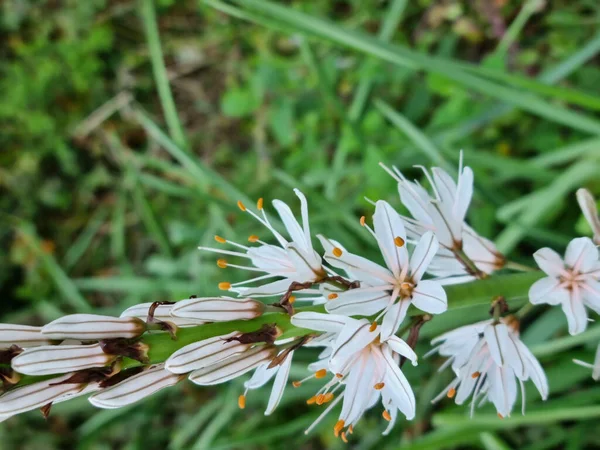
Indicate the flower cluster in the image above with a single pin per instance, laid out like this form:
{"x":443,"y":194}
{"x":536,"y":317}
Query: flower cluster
{"x":358,"y":312}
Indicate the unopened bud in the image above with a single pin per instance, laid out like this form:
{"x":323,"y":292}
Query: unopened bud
{"x":161,"y":313}
{"x":54,"y":359}
{"x":218,"y":309}
{"x":21,"y":335}
{"x":134,"y":388}
{"x":88,"y":327}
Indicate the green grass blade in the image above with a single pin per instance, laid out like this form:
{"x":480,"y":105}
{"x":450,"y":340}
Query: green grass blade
{"x":83,"y":242}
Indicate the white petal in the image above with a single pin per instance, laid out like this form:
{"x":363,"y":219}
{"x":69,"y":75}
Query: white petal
{"x":291,"y":224}
{"x":590,"y":211}
{"x":359,"y":385}
{"x":547,"y":290}
{"x":218,"y":309}
{"x":429,"y":296}
{"x":232,"y":367}
{"x":582,"y":254}
{"x":398,"y":387}
{"x":352,"y":339}
{"x":576,"y":314}
{"x":549,"y":261}
{"x":510,"y":352}
{"x":21,"y":335}
{"x":204,"y":353}
{"x":481,"y":251}
{"x":422,"y":255}
{"x":596,"y":372}
{"x":393,"y":318}
{"x":444,"y":185}
{"x":304,"y":214}
{"x":495,"y":335}
{"x":464,"y":192}
{"x":417,"y":201}
{"x":261,"y":376}
{"x":36,"y":395}
{"x":55,"y":359}
{"x":306,"y":264}
{"x":361,"y":301}
{"x":266,"y":290}
{"x":388,"y":226}
{"x":399,"y":346}
{"x":135,"y":388}
{"x":590,"y":291}
{"x":279,"y":384}
{"x":534,"y":369}
{"x":319,"y":321}
{"x":93,"y":326}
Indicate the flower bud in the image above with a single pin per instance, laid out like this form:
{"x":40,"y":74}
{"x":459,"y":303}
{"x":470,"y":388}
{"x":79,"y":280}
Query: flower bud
{"x":161,"y":313}
{"x":37,"y":395}
{"x":204,"y":353}
{"x":233,"y":367}
{"x":52,"y":359}
{"x":135,"y":388}
{"x":21,"y":335}
{"x":218,"y":309}
{"x":93,"y":327}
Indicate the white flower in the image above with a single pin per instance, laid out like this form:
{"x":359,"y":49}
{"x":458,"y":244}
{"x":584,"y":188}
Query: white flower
{"x":88,"y":327}
{"x":364,"y":366}
{"x":573,"y":282}
{"x":23,"y":336}
{"x":55,"y":359}
{"x":595,"y":367}
{"x":590,"y":212}
{"x":488,"y":358}
{"x":135,"y":388}
{"x":217,"y":309}
{"x":444,"y":214}
{"x":293,"y":261}
{"x":381,"y":287}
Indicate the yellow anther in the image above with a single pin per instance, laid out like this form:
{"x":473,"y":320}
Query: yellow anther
{"x":344,"y":438}
{"x":253,"y":238}
{"x":221,"y":263}
{"x":332,"y":296}
{"x":386,"y":415}
{"x":379,"y":386}
{"x":241,"y":205}
{"x":373,"y":327}
{"x":220,"y":240}
{"x":259,"y":204}
{"x":351,"y":429}
{"x":328,"y":397}
{"x":337,"y":252}
{"x":320,"y":373}
{"x":296,"y":383}
{"x":224,"y":285}
{"x":399,"y":241}
{"x":242,"y":401}
{"x":362,"y":220}
{"x":339,"y":426}
{"x":312,"y":400}
{"x":320,"y":399}
{"x":405,"y":285}
{"x":500,"y":416}
{"x":451,"y":393}
{"x":339,"y":375}
{"x":475,"y":374}
{"x":292,"y":299}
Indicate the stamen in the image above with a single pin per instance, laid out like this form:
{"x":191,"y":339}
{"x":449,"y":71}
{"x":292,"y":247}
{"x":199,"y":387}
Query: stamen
{"x":296,"y":383}
{"x":259,"y":204}
{"x":386,"y":415}
{"x":339,"y":375}
{"x":225,"y":285}
{"x":242,"y":401}
{"x":500,"y":416}
{"x":221,"y":263}
{"x":405,"y":286}
{"x":332,"y":296}
{"x":373,"y":326}
{"x":475,"y":374}
{"x":253,"y":238}
{"x":379,"y":386}
{"x":328,"y":397}
{"x":312,"y":400}
{"x":337,"y":252}
{"x":292,"y":299}
{"x":399,"y":241}
{"x":351,"y":429}
{"x":220,"y":240}
{"x":451,"y":393}
{"x":320,"y":373}
{"x":320,"y":399}
{"x":362,"y":220}
{"x":241,"y":205}
{"x":339,"y":426}
{"x":344,"y":438}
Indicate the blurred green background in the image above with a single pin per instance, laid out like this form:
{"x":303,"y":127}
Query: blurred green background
{"x":118,"y":160}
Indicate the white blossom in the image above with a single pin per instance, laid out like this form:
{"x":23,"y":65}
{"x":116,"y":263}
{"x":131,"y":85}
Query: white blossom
{"x":587,"y":203}
{"x":488,"y":359}
{"x":572,"y":282}
{"x":292,"y":260}
{"x":389,"y":289}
